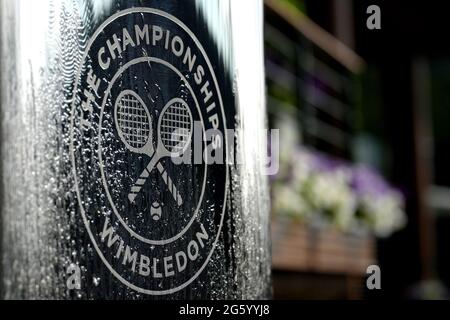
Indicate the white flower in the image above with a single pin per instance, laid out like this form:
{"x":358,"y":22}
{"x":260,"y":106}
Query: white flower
{"x":288,"y":201}
{"x":384,"y":212}
{"x":301,"y":169}
{"x":330,"y":192}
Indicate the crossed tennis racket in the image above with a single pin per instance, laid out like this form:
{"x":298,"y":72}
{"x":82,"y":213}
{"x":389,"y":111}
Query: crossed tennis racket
{"x":174,"y":132}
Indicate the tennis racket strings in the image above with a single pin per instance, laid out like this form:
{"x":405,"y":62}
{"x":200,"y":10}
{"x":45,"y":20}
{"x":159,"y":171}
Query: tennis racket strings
{"x":176,"y":128}
{"x":133,"y":121}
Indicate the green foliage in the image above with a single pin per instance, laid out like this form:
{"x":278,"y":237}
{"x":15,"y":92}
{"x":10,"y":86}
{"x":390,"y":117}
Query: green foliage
{"x":299,"y":4}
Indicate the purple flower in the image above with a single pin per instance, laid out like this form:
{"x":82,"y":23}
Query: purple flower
{"x":366,"y":180}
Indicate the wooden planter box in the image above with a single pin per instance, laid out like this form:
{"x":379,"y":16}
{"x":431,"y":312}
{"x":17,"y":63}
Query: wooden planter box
{"x":297,"y":247}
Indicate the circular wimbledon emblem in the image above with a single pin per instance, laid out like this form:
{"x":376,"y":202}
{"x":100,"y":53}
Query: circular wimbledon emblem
{"x":146,"y":109}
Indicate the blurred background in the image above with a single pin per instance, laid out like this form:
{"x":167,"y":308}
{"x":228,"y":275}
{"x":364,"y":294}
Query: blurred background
{"x":363,"y":118}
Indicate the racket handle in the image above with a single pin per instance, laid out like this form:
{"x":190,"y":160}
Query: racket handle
{"x":136,"y":188}
{"x":143,"y":177}
{"x":170,"y":185}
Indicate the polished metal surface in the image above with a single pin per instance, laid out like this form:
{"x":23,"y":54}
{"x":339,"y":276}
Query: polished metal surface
{"x":46,"y":238}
